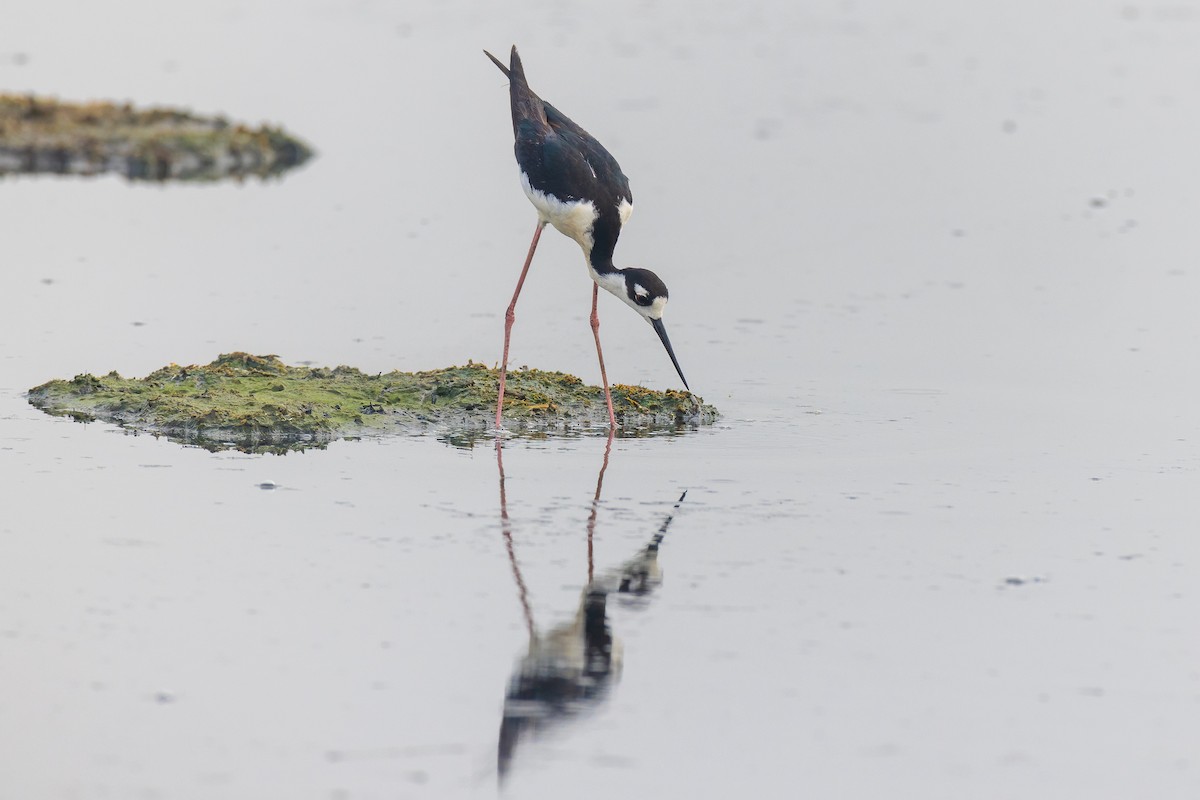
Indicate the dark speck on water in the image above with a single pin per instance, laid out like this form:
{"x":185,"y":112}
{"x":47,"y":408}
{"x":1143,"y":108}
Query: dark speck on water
{"x":1015,"y":581}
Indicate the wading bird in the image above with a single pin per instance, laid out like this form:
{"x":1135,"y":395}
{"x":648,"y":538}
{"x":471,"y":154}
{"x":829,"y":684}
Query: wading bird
{"x":578,"y":187}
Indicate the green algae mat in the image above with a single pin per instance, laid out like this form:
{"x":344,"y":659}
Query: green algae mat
{"x":41,"y":135}
{"x":258,"y":403}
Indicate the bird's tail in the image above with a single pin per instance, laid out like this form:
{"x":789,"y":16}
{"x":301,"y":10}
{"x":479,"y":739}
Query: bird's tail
{"x":496,"y":61}
{"x":514,"y":64}
{"x":525,"y":104}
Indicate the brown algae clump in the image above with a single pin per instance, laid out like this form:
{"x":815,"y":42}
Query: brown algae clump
{"x":242,"y":400}
{"x":40,"y":135}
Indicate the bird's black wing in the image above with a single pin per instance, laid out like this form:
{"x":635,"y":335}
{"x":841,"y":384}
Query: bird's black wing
{"x":607,"y":169}
{"x":563,"y":165}
{"x":555,"y":164}
{"x":536,"y":124}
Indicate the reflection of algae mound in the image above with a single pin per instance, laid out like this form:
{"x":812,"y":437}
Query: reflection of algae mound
{"x":41,"y":135}
{"x":241,"y":400}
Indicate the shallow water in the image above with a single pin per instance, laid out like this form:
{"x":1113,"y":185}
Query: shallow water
{"x":935,"y":264}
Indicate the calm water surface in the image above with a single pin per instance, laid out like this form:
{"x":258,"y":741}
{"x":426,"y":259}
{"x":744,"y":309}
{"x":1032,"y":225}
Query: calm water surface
{"x":935,"y":264}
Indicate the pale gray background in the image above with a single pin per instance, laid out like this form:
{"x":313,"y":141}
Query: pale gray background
{"x":936,"y":262}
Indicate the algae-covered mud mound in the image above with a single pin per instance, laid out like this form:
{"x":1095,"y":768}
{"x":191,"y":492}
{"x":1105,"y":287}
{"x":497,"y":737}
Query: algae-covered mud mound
{"x":257,"y":402}
{"x":39,"y":135}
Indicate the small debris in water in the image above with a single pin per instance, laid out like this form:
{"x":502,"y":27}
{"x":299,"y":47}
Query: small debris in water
{"x":268,"y":485}
{"x":1015,"y":581}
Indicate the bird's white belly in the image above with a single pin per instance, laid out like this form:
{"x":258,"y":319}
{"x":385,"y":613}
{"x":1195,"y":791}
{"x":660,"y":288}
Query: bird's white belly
{"x":572,"y":218}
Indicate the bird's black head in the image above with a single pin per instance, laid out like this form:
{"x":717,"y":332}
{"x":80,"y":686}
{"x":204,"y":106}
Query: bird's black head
{"x":645,"y":292}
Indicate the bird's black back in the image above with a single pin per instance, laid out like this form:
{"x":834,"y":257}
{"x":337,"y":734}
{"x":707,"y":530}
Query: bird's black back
{"x":562,"y":159}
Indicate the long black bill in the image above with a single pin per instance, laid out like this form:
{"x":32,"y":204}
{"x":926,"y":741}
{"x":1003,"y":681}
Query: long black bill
{"x":661,"y":330}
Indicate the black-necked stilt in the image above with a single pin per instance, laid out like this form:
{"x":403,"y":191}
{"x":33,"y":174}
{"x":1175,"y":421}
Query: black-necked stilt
{"x":578,"y":187}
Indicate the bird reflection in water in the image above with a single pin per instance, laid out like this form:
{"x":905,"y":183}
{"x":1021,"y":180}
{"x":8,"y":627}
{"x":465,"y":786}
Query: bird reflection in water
{"x":571,"y":667}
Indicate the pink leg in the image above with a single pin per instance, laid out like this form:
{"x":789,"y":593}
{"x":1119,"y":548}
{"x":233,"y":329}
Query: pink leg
{"x":511,"y":315}
{"x":506,"y":529}
{"x":591,"y":525}
{"x":612,"y":419}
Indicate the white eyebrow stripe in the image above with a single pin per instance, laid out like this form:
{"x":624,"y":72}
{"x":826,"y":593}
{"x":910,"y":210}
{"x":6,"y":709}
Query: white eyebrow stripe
{"x":640,"y":291}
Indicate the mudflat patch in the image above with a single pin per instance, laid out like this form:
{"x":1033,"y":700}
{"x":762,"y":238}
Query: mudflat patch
{"x":42,"y":135}
{"x":254,"y":402}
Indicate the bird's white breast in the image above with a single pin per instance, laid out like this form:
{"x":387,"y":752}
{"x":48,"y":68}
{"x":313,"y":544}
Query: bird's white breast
{"x":624,"y":209}
{"x":572,"y":218}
